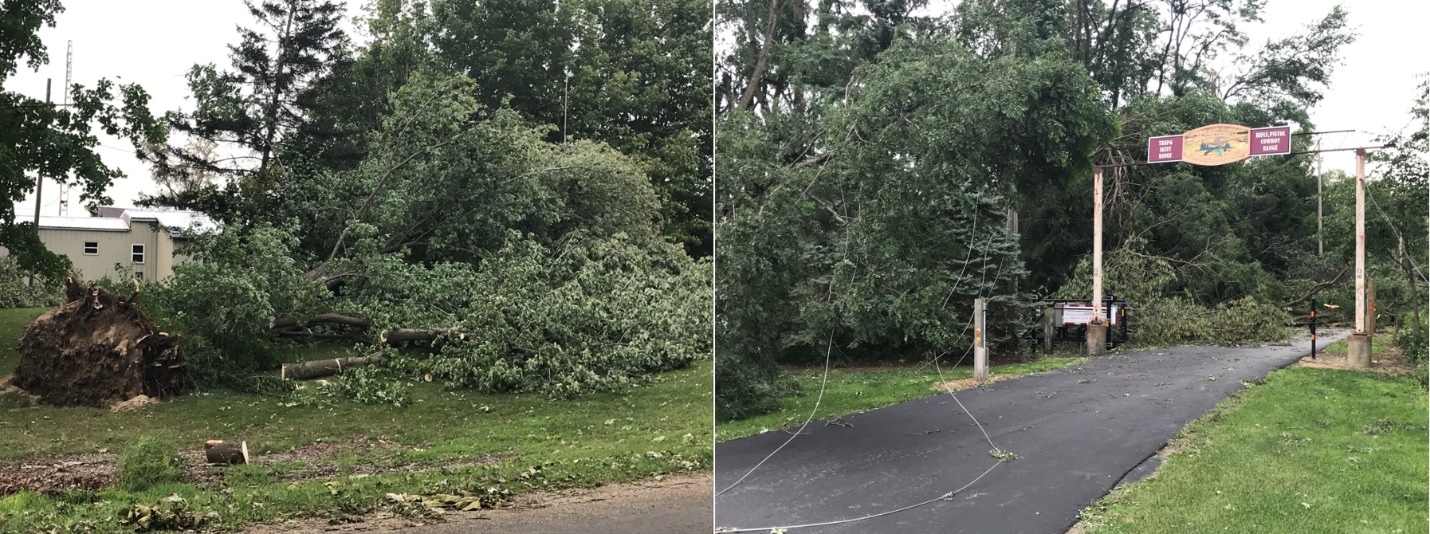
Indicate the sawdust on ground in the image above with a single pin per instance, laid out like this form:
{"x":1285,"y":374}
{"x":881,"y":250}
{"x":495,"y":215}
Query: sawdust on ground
{"x":1391,"y":360}
{"x":968,"y":383}
{"x":53,"y":475}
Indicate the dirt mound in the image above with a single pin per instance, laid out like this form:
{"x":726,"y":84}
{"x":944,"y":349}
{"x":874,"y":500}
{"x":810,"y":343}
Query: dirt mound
{"x":98,"y":348}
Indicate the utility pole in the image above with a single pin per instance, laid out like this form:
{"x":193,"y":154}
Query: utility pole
{"x":565,"y":102}
{"x":1320,"y":184}
{"x":980,"y":342}
{"x":1013,"y":231}
{"x":1096,"y":328}
{"x":64,"y":203}
{"x":1358,"y":346}
{"x":39,"y":185}
{"x":69,"y":70}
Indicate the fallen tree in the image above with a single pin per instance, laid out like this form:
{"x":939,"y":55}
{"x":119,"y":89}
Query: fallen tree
{"x":99,"y":348}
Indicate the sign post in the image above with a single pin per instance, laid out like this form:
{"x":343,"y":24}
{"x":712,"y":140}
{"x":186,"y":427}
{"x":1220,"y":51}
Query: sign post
{"x":1219,"y":144}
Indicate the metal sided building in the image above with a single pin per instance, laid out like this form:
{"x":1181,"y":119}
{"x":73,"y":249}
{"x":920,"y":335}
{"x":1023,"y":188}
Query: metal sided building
{"x":149,"y":243}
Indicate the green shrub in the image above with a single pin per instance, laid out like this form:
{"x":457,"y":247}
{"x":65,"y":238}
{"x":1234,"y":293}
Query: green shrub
{"x":17,"y":292}
{"x":746,"y":387}
{"x":149,"y":462}
{"x":1412,"y":338}
{"x":1159,"y":317}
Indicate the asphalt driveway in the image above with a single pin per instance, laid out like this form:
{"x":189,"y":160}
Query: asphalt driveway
{"x":1076,"y":431}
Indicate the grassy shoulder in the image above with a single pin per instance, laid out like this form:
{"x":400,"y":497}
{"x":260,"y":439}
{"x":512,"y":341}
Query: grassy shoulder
{"x":342,"y":457}
{"x":1305,"y":450}
{"x":1378,"y":345}
{"x":855,"y":389}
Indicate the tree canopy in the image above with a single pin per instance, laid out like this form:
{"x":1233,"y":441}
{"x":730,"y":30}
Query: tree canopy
{"x":882,"y":164}
{"x":434,"y":196}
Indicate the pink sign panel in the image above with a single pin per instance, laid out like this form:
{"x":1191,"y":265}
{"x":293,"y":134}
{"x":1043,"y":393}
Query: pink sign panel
{"x":1165,"y":149}
{"x":1268,"y":141}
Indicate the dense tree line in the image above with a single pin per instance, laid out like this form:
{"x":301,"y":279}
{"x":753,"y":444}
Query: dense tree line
{"x":881,"y":165}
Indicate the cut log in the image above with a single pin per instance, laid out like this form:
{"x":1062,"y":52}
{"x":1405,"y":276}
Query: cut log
{"x":322,"y":368}
{"x":418,"y":334}
{"x":226,"y":452}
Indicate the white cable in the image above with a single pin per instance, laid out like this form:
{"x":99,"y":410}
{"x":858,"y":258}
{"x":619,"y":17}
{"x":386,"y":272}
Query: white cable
{"x":906,"y":508}
{"x":1397,"y":234}
{"x":942,"y":380}
{"x":827,"y":350}
{"x":870,"y":516}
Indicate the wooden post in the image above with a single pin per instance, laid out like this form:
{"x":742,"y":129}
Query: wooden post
{"x":1049,"y":329}
{"x":980,"y":345}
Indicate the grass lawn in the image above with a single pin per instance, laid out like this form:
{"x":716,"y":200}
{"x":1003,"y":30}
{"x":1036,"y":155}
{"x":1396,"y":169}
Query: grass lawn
{"x":1378,"y":344}
{"x":441,"y":443}
{"x":853,"y":390}
{"x":1307,"y":450}
{"x":12,"y":323}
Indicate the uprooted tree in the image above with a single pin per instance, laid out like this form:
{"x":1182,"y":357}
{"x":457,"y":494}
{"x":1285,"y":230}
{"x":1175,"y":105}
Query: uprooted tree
{"x":464,"y":246}
{"x":97,"y":348}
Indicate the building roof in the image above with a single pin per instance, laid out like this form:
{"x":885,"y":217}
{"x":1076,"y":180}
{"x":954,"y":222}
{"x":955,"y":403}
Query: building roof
{"x":103,"y":224}
{"x":122,"y":219}
{"x":176,"y":222}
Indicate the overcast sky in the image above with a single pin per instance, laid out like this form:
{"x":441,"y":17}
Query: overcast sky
{"x":157,"y":42}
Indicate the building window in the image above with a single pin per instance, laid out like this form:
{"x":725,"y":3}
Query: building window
{"x":137,"y":253}
{"x":91,"y":248}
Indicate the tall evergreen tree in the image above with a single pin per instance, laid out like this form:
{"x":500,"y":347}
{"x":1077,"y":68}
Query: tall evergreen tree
{"x":253,"y":108}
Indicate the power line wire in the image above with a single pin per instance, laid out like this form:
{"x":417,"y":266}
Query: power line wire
{"x":942,"y":380}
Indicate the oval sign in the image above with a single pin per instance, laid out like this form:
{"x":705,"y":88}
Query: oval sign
{"x":1216,"y":144}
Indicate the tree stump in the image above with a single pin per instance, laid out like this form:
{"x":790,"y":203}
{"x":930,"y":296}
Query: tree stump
{"x":226,"y":452}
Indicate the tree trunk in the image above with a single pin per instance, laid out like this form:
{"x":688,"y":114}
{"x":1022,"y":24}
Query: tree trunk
{"x":226,"y":452}
{"x":322,"y":368}
{"x":286,"y":323}
{"x":764,"y":59}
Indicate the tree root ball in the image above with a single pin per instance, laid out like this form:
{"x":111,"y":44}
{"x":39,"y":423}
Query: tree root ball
{"x":96,"y":349}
